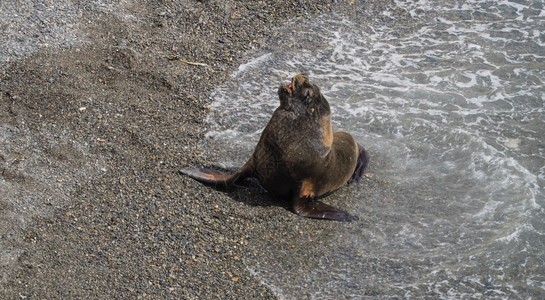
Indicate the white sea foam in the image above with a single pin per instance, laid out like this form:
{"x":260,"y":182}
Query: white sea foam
{"x":251,"y":64}
{"x":454,"y":109}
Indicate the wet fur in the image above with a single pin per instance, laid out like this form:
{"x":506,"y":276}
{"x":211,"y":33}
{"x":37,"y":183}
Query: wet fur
{"x":298,"y":157}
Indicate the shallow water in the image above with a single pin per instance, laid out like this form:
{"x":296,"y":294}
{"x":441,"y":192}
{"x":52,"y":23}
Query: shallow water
{"x":449,"y":99}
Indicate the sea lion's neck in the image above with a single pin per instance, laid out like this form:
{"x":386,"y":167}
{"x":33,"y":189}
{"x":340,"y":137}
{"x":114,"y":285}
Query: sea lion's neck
{"x":327,"y":130}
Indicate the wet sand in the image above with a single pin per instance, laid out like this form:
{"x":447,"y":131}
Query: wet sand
{"x":100,"y":105}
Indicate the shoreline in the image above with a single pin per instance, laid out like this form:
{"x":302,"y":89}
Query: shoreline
{"x":92,"y":135}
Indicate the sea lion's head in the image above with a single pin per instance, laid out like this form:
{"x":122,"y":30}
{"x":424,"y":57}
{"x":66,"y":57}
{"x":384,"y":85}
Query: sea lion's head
{"x":301,"y":94}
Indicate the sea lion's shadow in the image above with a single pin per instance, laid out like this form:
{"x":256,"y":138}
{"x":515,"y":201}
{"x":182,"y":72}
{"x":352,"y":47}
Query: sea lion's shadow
{"x":248,"y":191}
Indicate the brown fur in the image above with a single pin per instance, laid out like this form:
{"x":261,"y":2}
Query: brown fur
{"x":298,"y":156}
{"x":327,"y":131}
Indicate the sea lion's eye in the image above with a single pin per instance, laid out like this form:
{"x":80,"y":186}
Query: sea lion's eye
{"x":308,"y":94}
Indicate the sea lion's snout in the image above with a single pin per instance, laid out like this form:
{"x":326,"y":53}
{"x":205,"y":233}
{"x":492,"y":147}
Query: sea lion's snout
{"x":284,"y":94}
{"x":288,"y":87}
{"x":299,"y":81}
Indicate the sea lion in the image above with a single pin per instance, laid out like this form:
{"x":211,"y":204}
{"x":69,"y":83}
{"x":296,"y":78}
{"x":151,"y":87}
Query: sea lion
{"x":298,"y":156}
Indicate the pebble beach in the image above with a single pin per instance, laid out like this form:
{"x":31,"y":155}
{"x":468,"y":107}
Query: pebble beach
{"x":101,"y":102}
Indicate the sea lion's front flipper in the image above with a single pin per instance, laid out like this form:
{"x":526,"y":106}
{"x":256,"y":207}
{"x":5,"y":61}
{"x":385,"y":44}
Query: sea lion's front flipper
{"x":215,"y":177}
{"x":208,"y":176}
{"x":310,"y":208}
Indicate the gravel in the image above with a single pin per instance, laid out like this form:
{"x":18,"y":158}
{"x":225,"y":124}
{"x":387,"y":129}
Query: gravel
{"x":97,"y":114}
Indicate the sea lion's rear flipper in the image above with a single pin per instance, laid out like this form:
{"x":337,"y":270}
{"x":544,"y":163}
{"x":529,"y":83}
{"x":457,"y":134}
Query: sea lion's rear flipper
{"x":217,"y":178}
{"x":307,"y":207}
{"x":361,"y":165}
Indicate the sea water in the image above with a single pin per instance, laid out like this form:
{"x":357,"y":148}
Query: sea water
{"x":448,"y":97}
